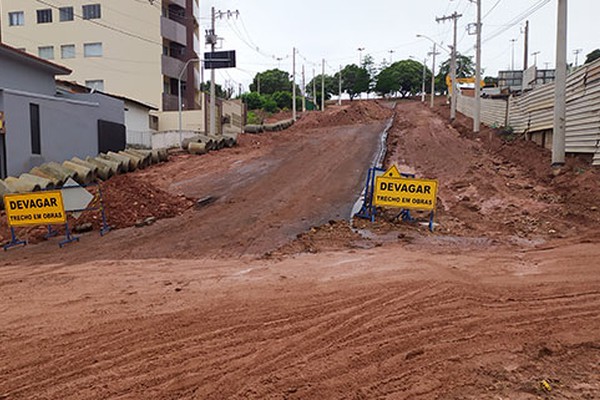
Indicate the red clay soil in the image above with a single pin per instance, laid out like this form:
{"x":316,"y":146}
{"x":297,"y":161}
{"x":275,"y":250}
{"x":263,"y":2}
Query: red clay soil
{"x":248,"y":298}
{"x":356,"y":112}
{"x":498,"y":189}
{"x":278,"y":116}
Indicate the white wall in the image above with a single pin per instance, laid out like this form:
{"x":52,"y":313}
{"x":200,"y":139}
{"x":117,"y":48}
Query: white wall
{"x":137,"y":121}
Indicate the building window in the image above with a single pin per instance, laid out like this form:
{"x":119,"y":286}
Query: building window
{"x":153,"y":123}
{"x":66,"y":14}
{"x":16,"y":18}
{"x":44,"y":16}
{"x":46,"y":52}
{"x":34,"y":120}
{"x":92,"y":50}
{"x":67,"y":51}
{"x":91,"y":11}
{"x":97,"y":84}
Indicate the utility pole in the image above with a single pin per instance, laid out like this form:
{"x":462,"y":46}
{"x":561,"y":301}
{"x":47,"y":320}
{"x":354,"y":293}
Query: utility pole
{"x":303,"y":90}
{"x":294,"y":84}
{"x":477,"y":111}
{"x":423,"y":81}
{"x":213,"y":42}
{"x":433,"y":75}
{"x":340,"y":87}
{"x":512,"y":54}
{"x":577,"y":52}
{"x":535,"y":54}
{"x":454,"y":17}
{"x":391,"y":53}
{"x":526,"y":52}
{"x":314,"y":80}
{"x":323,"y":85}
{"x":258,"y":83}
{"x":558,"y":137}
{"x":211,"y":38}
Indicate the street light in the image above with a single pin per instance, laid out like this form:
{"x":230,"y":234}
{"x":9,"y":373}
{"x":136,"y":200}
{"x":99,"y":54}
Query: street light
{"x":179,"y":94}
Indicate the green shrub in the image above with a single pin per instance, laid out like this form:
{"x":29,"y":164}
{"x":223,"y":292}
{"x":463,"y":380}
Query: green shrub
{"x":269,"y":105}
{"x":252,"y":118}
{"x":253,"y":100}
{"x":283,"y":99}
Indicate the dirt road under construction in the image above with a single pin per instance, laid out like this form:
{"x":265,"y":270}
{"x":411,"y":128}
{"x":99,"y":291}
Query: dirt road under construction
{"x":268,"y":291}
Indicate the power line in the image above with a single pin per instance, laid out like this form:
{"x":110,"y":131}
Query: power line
{"x":519,"y":18}
{"x":491,"y":9}
{"x":252,"y":46}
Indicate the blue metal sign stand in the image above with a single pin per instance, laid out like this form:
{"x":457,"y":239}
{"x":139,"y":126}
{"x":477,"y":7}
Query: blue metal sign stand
{"x":51,"y":232}
{"x":368,"y":210}
{"x":14,"y":241}
{"x":431,"y":221}
{"x":68,"y":237}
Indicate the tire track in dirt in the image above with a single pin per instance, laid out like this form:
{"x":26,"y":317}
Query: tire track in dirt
{"x":396,"y":342}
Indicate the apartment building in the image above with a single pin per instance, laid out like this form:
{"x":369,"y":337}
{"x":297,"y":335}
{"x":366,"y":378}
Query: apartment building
{"x":132,"y":48}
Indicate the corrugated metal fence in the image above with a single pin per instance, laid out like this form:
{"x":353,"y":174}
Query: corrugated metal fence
{"x":534,"y":111}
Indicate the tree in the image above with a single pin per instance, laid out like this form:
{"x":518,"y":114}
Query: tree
{"x":331,"y":86}
{"x":383,"y":64}
{"x":269,"y":105}
{"x":368,"y":63}
{"x":355,"y":80}
{"x":283,"y":99}
{"x":271,"y":81}
{"x":253,"y":100}
{"x":465,"y":68}
{"x":594,"y":55}
{"x":386,"y":82}
{"x":490,"y":81}
{"x":219,"y":92}
{"x":403,"y":76}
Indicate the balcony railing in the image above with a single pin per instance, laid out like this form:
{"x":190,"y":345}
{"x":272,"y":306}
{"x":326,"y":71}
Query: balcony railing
{"x":172,"y":67}
{"x":173,"y":31}
{"x":180,"y":3}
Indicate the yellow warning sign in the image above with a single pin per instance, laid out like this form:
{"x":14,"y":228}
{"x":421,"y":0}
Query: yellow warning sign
{"x":392,"y":172}
{"x":392,"y":190}
{"x":39,"y":208}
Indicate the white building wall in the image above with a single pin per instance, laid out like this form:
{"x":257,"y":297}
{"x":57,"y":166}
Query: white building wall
{"x":137,"y":121}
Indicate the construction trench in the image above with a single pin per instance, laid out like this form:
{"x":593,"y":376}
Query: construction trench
{"x":270,"y":292}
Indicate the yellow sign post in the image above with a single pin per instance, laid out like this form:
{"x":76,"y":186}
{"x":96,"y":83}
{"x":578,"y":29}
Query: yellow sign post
{"x":393,"y":190}
{"x":39,"y":208}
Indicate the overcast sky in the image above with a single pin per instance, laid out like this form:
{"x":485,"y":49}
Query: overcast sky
{"x":335,"y":29}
